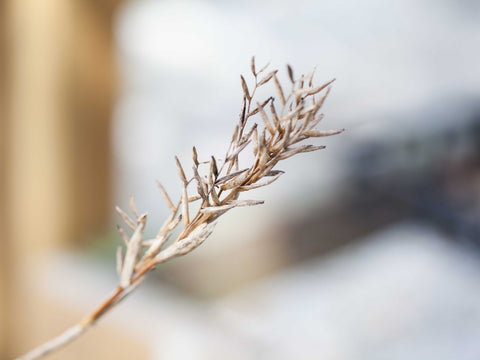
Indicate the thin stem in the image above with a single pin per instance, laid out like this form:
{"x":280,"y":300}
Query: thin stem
{"x":74,"y":332}
{"x":56,"y":343}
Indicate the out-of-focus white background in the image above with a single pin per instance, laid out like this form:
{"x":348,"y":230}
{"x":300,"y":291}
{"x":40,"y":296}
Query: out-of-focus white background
{"x":366,"y":250}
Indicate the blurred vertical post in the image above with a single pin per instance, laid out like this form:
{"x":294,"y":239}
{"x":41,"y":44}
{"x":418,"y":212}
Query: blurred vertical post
{"x":3,"y":243}
{"x":57,"y":90}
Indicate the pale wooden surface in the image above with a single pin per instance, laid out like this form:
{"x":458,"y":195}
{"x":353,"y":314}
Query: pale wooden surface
{"x":57,"y":87}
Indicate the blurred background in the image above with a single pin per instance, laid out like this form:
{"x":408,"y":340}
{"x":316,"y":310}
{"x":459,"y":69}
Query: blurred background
{"x":366,"y":250}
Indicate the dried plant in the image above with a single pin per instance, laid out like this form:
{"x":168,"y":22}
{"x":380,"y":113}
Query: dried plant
{"x":217,"y":185}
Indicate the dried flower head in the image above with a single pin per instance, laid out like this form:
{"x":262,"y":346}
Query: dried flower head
{"x":216,"y":184}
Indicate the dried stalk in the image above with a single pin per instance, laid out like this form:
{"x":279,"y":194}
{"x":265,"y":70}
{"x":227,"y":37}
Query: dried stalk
{"x":219,"y":189}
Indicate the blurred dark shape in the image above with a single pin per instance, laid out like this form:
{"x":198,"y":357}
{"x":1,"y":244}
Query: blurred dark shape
{"x":430,"y":173}
{"x":433,"y":174}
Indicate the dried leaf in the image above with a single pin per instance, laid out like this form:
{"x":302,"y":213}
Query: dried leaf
{"x":186,"y":218}
{"x":194,"y":198}
{"x":247,"y":202}
{"x":212,"y":174}
{"x":279,"y":90}
{"x":133,"y":251}
{"x":264,"y":116}
{"x":235,"y":181}
{"x":123,"y":234}
{"x":286,"y":133}
{"x":245,"y":88}
{"x":315,"y":122}
{"x":195,"y":156}
{"x":246,"y":137}
{"x":263,"y":68}
{"x":234,"y":136}
{"x":252,"y":66}
{"x":229,"y":176}
{"x":320,"y":102}
{"x":257,"y":109}
{"x":173,"y":224}
{"x":214,"y":196}
{"x":301,"y":81}
{"x":320,"y":88}
{"x":214,"y":167}
{"x":253,"y":112}
{"x":290,"y":74}
{"x":238,"y":150}
{"x":275,"y":173}
{"x":317,"y":133}
{"x":275,"y":118}
{"x":186,"y":245}
{"x":216,"y":209}
{"x":201,"y":188}
{"x":128,"y":221}
{"x":262,"y":150}
{"x":154,"y":249}
{"x":132,"y":207}
{"x":180,"y":171}
{"x":267,"y":77}
{"x":166,"y":197}
{"x":260,"y":183}
{"x":243,"y":118}
{"x":310,"y":77}
{"x":255,"y":142}
{"x":298,"y":150}
{"x":119,"y":260}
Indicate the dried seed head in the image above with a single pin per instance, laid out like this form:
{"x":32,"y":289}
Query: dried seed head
{"x":284,"y":130}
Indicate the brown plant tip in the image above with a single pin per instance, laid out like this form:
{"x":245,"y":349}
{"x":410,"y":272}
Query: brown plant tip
{"x":290,"y":74}
{"x":252,"y":66}
{"x":245,"y":88}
